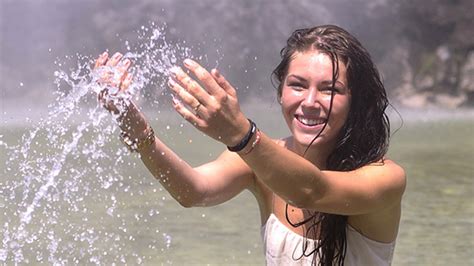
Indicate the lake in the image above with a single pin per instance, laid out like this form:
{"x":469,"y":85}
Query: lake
{"x":127,"y":217}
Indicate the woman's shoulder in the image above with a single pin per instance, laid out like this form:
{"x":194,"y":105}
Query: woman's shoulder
{"x":387,"y":165}
{"x":389,"y":175}
{"x":394,"y":168}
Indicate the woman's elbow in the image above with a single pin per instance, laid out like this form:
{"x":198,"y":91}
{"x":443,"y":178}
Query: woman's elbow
{"x":188,"y":202}
{"x":305,"y":199}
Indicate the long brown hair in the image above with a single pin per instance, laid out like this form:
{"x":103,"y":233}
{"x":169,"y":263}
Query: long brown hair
{"x":364,"y":137}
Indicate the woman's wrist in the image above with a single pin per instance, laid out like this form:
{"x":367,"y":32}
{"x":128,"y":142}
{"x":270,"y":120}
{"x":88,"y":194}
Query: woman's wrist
{"x":251,"y":144}
{"x":137,"y":143}
{"x":244,"y":141}
{"x":136,"y":132}
{"x":133,"y":122}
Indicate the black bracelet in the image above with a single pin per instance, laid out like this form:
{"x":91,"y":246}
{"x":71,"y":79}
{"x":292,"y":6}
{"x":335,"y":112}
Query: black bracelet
{"x":246,"y":139}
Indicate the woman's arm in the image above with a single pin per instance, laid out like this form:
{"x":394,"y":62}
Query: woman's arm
{"x":292,"y":177}
{"x":300,"y":183}
{"x":209,"y":184}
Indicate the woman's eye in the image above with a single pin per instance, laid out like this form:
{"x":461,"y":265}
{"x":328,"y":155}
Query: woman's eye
{"x":296,"y":86}
{"x":330,"y":90}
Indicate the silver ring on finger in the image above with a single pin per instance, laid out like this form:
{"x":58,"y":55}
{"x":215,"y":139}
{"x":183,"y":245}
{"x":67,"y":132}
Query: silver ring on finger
{"x":196,"y":108}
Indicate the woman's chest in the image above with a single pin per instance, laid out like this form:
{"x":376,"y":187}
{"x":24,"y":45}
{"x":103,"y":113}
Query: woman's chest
{"x":299,"y":221}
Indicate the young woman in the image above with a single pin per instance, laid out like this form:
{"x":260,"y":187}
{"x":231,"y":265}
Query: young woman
{"x":327,"y":193}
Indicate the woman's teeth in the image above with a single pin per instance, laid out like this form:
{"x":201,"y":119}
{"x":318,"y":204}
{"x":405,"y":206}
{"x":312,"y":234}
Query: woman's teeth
{"x":310,"y":122}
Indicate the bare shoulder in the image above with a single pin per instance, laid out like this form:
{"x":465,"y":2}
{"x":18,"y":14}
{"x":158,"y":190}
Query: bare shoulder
{"x":387,"y":170}
{"x":396,"y":169}
{"x":386,"y":180}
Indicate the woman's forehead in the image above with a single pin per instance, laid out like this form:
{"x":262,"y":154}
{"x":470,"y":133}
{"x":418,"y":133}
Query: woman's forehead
{"x":315,"y":61}
{"x":314,"y":56}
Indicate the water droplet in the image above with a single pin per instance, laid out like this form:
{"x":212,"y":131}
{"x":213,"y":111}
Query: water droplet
{"x":57,"y":157}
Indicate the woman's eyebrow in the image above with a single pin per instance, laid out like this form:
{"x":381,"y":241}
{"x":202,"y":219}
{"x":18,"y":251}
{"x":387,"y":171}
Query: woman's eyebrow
{"x":296,"y":77}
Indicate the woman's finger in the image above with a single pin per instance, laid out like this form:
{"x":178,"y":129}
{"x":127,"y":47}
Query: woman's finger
{"x":123,"y":66}
{"x":114,"y":60}
{"x":187,"y":114}
{"x":190,"y":85}
{"x":126,"y":81}
{"x":188,"y":99}
{"x":223,"y":83}
{"x":210,"y":84}
{"x":101,"y":60}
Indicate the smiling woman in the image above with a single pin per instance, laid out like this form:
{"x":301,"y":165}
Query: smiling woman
{"x":307,"y":94}
{"x":327,"y":194}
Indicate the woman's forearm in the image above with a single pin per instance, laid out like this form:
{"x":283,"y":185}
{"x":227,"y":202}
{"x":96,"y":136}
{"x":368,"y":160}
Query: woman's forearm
{"x":289,"y":175}
{"x":176,"y":176}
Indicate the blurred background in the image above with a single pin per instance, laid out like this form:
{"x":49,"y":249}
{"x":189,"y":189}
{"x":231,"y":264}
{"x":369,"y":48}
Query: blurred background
{"x":424,"y":49}
{"x":425,"y":53}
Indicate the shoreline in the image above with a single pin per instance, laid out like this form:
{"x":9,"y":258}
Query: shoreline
{"x":12,"y":116}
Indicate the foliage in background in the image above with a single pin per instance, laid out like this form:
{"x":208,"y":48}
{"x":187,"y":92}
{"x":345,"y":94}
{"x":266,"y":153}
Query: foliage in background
{"x":424,"y":49}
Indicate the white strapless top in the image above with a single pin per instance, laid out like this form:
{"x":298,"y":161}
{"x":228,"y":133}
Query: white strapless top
{"x":285,"y":247}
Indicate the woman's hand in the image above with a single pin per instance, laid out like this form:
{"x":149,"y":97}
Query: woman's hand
{"x":114,"y":78}
{"x":210,"y":105}
{"x":112,"y":74}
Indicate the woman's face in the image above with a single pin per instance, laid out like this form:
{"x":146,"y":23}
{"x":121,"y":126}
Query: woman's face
{"x":306,"y":96}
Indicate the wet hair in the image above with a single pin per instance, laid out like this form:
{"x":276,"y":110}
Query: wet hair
{"x":362,"y":140}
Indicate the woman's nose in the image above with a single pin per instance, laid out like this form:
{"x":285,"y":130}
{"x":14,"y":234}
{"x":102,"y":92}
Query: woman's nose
{"x":311,"y":98}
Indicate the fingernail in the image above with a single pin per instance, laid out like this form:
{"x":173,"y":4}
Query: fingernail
{"x":104,"y":54}
{"x":171,"y":82}
{"x":188,"y":62}
{"x":128,"y":78}
{"x":216,"y":73}
{"x":125,"y":63}
{"x":174,"y":71}
{"x":117,"y":55}
{"x":174,"y":99}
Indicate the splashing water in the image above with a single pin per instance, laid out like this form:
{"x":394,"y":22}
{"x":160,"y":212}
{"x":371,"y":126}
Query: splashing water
{"x":42,"y":170}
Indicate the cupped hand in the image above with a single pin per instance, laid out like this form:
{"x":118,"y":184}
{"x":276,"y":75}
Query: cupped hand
{"x":113,"y":77}
{"x":211,"y":104}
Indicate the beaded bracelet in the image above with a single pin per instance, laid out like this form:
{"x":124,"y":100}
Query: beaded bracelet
{"x":135,"y":145}
{"x":246,"y":139}
{"x":254,"y":143}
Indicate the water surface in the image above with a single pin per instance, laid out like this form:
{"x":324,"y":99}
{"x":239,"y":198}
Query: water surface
{"x":134,"y":220}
